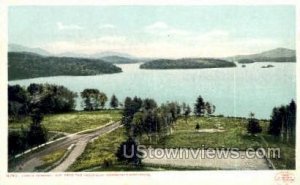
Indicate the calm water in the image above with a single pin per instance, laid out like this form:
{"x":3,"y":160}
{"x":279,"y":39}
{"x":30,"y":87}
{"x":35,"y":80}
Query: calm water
{"x":234,"y":91}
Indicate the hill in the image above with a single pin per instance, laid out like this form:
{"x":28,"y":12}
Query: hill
{"x":97,"y":55}
{"x":274,"y":55}
{"x":110,"y":53}
{"x":20,"y":48}
{"x":187,"y":63}
{"x":119,"y":60}
{"x":22,"y":65}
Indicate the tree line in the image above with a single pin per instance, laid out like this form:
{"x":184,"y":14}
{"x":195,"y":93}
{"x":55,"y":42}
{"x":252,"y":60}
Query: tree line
{"x":36,"y":100}
{"x":145,"y":117}
{"x":282,"y":123}
{"x":140,"y":116}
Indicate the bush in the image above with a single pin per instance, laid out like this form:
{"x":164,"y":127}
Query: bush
{"x":253,"y":126}
{"x":197,"y":126}
{"x":17,"y":142}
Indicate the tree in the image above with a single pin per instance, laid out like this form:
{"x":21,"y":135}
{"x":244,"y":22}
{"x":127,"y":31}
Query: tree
{"x":186,"y":111}
{"x":137,"y":125}
{"x":37,"y":134}
{"x":275,"y":122}
{"x":292,"y":121}
{"x":16,"y":142}
{"x":149,"y":104}
{"x":102,"y":99}
{"x":131,"y":106}
{"x":151,"y":122}
{"x":128,"y":153}
{"x":253,"y":126}
{"x":210,"y":108}
{"x":283,"y":122}
{"x":114,"y":102}
{"x":93,"y":99}
{"x":18,"y":101}
{"x":35,"y":88}
{"x":199,"y":109}
{"x":51,"y":98}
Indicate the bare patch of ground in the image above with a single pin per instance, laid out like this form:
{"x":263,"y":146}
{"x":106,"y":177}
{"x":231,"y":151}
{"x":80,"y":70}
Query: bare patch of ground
{"x":202,"y":161}
{"x":212,"y":130}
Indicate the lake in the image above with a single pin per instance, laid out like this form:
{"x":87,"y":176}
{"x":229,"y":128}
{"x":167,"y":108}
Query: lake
{"x":234,"y":91}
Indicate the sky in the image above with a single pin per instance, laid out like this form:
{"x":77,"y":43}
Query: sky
{"x":154,"y":31}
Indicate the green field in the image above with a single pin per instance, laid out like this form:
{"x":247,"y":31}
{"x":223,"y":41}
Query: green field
{"x":185,"y":135}
{"x":71,"y":122}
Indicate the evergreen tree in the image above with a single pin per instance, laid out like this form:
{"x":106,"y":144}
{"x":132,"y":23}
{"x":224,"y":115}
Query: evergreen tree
{"x":199,"y":109}
{"x":114,"y":102}
{"x":253,"y":126}
{"x":283,"y":122}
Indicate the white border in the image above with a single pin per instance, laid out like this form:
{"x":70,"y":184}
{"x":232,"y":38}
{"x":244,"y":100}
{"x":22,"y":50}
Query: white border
{"x":182,"y":177}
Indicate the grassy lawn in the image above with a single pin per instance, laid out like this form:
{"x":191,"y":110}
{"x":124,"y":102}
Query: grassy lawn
{"x":72,"y":122}
{"x":235,"y":136}
{"x":103,"y":148}
{"x":51,"y":159}
{"x":186,"y":136}
{"x":287,"y":152}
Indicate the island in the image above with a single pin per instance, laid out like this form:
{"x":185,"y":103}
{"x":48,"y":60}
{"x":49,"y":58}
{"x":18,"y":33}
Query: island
{"x":267,"y":66}
{"x":24,"y":65}
{"x":187,"y":63}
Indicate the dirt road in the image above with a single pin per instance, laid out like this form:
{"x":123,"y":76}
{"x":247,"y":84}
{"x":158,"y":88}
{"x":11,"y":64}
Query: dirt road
{"x":32,"y":160}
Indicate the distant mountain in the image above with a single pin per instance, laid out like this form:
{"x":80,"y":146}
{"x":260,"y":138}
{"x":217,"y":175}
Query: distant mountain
{"x":119,"y":60}
{"x":110,"y":53}
{"x":20,"y":48}
{"x":187,"y":63}
{"x":96,"y":55}
{"x":22,"y":65}
{"x":274,"y":55}
{"x":73,"y":54}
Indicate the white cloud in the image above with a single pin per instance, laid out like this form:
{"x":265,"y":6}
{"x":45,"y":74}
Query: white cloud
{"x":214,"y":43}
{"x":61,"y":26}
{"x":107,"y":26}
{"x":163,"y":29}
{"x":157,"y":25}
{"x":88,"y":46}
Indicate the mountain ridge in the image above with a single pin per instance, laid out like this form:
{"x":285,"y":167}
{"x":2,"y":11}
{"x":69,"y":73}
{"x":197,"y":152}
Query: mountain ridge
{"x":273,"y":55}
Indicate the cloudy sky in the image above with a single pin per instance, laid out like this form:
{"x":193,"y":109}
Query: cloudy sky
{"x":154,"y":31}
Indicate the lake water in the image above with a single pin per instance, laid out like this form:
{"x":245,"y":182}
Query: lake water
{"x":234,"y":91}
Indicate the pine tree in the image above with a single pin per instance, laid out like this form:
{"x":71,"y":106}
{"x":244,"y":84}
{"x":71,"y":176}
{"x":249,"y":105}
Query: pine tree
{"x":199,"y":109}
{"x":253,"y":126}
{"x":114,"y":102}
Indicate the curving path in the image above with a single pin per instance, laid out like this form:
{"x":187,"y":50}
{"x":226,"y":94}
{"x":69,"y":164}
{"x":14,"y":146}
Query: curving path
{"x":30,"y":161}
